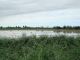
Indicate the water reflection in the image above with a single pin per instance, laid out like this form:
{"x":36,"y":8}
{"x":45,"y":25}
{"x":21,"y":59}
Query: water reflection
{"x":18,"y":33}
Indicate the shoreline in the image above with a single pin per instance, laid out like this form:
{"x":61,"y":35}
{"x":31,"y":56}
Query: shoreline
{"x":55,"y":30}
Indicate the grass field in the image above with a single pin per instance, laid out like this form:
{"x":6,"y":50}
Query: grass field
{"x":40,"y":48}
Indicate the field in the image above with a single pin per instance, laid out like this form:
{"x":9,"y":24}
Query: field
{"x":40,"y":48}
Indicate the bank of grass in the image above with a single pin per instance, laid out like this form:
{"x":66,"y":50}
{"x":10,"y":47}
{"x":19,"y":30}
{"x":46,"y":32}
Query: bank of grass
{"x":40,"y":48}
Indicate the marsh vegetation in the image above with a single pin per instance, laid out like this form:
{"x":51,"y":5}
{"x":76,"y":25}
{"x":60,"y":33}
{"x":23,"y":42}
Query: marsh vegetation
{"x":40,"y":48}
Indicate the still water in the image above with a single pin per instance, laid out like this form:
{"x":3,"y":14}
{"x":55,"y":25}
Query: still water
{"x":18,"y":33}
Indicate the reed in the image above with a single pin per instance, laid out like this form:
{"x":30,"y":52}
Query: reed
{"x":40,"y":48}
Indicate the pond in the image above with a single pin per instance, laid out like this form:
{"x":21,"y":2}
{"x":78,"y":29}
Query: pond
{"x":18,"y":33}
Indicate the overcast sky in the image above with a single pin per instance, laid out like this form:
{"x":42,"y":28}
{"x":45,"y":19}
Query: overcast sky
{"x":39,"y":12}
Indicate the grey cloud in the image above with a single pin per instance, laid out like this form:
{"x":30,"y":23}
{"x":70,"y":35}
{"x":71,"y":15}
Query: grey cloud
{"x":14,"y":7}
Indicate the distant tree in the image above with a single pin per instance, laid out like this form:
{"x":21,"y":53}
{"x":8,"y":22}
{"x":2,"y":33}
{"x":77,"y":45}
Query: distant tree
{"x":8,"y":27}
{"x":23,"y":26}
{"x":64,"y":27}
{"x":76,"y":27}
{"x":16,"y":27}
{"x":36,"y":27}
{"x":67,"y":27}
{"x":1,"y":27}
{"x":58,"y":27}
{"x":54,"y":27}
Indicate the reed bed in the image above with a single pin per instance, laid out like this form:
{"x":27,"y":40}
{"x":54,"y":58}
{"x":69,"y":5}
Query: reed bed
{"x":40,"y":48}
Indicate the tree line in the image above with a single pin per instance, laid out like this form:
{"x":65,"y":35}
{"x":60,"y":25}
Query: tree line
{"x":16,"y":27}
{"x":55,"y":27}
{"x":67,"y":27}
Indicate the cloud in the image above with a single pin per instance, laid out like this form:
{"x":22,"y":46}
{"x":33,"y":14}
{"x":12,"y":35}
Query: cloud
{"x":43,"y":18}
{"x":39,"y":12}
{"x":16,"y":7}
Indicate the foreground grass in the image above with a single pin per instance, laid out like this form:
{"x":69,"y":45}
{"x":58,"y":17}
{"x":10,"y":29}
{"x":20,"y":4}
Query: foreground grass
{"x":40,"y":48}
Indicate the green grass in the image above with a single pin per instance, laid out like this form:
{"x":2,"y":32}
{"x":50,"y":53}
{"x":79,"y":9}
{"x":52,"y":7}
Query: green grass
{"x":40,"y":48}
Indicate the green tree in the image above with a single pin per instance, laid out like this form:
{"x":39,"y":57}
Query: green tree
{"x":1,"y":27}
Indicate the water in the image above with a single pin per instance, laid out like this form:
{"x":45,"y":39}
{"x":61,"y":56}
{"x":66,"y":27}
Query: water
{"x":18,"y":33}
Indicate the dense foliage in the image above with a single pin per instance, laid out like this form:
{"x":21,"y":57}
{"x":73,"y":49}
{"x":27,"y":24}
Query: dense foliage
{"x":40,"y":48}
{"x":67,"y":27}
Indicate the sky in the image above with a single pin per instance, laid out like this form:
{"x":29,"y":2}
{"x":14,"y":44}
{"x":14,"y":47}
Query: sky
{"x":36,"y":13}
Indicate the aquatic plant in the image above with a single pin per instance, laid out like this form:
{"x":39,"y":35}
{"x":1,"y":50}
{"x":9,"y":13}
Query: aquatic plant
{"x":40,"y":48}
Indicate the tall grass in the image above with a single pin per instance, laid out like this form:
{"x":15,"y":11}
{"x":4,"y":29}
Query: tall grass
{"x":40,"y":48}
